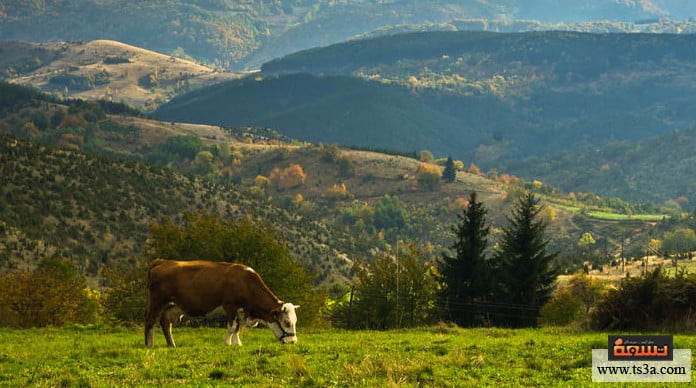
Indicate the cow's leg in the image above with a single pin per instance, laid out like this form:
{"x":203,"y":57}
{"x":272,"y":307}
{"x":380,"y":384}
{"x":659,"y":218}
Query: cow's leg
{"x":153,"y":310}
{"x":232,"y":332}
{"x":233,"y":325}
{"x":166,"y":322}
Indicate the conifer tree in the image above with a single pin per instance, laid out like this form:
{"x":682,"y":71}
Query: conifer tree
{"x":467,"y":274}
{"x":449,"y":174}
{"x":523,"y":272}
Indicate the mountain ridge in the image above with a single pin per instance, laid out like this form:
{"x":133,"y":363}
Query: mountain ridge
{"x":241,"y":36}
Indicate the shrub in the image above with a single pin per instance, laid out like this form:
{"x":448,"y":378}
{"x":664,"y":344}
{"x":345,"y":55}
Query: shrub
{"x":126,"y":291}
{"x":116,"y":60}
{"x":53,"y":294}
{"x":650,"y":302}
{"x":563,"y":309}
{"x":336,"y":192}
{"x":391,"y":294}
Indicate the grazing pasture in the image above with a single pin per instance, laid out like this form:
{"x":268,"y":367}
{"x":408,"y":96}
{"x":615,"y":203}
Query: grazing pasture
{"x":439,"y":356}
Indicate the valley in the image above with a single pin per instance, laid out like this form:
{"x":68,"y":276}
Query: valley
{"x":343,"y":140}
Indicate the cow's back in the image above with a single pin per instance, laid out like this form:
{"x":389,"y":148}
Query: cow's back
{"x":197,"y":287}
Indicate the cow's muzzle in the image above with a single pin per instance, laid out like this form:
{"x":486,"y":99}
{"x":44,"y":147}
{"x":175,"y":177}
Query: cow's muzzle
{"x":287,"y":337}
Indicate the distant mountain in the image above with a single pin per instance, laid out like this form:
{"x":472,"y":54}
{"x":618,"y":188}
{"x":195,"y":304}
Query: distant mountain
{"x":242,"y":35}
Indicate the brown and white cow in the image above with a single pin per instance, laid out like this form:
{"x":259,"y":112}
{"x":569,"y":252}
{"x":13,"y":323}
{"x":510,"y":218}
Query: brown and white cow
{"x":199,"y":287}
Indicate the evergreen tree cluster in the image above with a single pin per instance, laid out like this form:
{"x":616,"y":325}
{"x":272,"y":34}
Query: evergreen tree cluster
{"x":507,"y":285}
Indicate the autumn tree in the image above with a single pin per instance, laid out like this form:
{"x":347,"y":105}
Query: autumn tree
{"x":203,"y":163}
{"x":53,"y":294}
{"x":572,"y":301}
{"x":467,"y":274}
{"x":525,"y":279}
{"x":473,"y":169}
{"x":428,"y":176}
{"x":291,"y":176}
{"x":336,"y":192}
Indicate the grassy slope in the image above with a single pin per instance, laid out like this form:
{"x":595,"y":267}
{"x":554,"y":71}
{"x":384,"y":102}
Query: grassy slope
{"x":437,"y":356}
{"x":87,"y":58}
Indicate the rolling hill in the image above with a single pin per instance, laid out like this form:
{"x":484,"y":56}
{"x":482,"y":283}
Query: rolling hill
{"x":337,"y":109}
{"x":497,"y":100}
{"x":104,"y":69}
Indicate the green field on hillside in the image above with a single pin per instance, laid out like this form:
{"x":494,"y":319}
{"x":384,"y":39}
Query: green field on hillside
{"x":609,"y":216}
{"x":439,"y":356}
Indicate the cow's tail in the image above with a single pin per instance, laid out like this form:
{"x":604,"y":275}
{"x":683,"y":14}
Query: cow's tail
{"x":154,"y":263}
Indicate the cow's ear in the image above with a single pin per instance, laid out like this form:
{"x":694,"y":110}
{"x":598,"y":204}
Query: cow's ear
{"x":275,"y":313}
{"x":297,"y":306}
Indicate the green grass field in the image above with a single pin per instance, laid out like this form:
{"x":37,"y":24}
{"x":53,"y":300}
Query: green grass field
{"x":439,"y":356}
{"x":609,"y":216}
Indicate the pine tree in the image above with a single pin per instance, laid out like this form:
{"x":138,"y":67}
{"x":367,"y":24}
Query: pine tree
{"x":467,"y":274}
{"x":449,"y":174}
{"x":524,"y":276}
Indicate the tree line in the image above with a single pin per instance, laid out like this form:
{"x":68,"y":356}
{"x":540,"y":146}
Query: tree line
{"x":511,"y":283}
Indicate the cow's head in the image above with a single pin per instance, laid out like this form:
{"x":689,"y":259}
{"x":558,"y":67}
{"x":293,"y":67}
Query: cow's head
{"x":283,"y":324}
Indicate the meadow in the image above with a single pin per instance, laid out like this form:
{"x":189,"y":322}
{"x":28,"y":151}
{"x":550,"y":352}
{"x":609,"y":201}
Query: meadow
{"x":441,"y":356}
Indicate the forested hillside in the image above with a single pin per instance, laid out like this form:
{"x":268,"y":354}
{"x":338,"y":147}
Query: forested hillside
{"x":488,"y":98}
{"x":658,"y":169}
{"x":98,"y":210}
{"x":86,"y":181}
{"x":242,"y":35}
{"x":90,"y":180}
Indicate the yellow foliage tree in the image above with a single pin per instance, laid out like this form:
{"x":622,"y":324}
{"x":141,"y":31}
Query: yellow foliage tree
{"x":474,"y":169}
{"x":53,"y":294}
{"x":550,"y":213}
{"x":428,"y":176}
{"x":291,"y":176}
{"x":336,"y":192}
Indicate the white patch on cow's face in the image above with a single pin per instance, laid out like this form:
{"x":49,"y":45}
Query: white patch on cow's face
{"x":285,"y":323}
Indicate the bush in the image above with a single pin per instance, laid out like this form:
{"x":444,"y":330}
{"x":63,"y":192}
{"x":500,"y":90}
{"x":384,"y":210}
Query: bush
{"x":563,"y":309}
{"x":116,"y":60}
{"x":126,"y":291}
{"x":53,"y":294}
{"x":391,"y":294}
{"x":651,"y":302}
